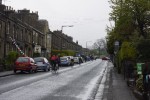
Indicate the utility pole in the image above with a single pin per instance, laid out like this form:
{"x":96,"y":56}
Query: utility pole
{"x":65,"y":26}
{"x":62,"y":32}
{"x":87,"y":46}
{"x":99,"y":51}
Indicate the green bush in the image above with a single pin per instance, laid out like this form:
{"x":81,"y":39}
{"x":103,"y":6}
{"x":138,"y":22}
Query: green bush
{"x":10,"y":59}
{"x":127,"y":52}
{"x":118,"y":62}
{"x":143,"y":48}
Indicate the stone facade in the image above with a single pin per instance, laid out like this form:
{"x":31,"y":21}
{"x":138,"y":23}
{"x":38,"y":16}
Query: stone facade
{"x":24,"y":28}
{"x":28,"y":31}
{"x":61,"y":41}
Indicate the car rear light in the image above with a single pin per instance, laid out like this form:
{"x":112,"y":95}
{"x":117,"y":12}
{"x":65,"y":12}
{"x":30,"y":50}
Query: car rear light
{"x":16,"y":63}
{"x":30,"y":64}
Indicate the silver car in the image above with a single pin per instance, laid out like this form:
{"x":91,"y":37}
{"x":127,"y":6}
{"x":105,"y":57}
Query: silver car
{"x":42,"y":63}
{"x":76,"y":60}
{"x":65,"y":61}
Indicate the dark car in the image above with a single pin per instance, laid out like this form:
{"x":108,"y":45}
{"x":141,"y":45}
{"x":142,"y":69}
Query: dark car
{"x":25,"y":64}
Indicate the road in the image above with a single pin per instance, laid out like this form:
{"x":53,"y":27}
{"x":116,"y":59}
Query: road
{"x":77,"y":83}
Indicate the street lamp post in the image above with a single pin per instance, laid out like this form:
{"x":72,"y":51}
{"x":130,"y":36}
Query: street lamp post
{"x":65,"y":26}
{"x":87,"y":45}
{"x":62,"y":45}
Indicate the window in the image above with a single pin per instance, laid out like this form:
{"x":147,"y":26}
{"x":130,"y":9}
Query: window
{"x":0,"y":29}
{"x":13,"y":32}
{"x":39,"y":59}
{"x":16,"y":34}
{"x":7,"y":48}
{"x":32,"y":61}
{"x":21,"y":35}
{"x":46,"y":60}
{"x":29,"y":37}
{"x":22,"y":59}
{"x":8,"y":28}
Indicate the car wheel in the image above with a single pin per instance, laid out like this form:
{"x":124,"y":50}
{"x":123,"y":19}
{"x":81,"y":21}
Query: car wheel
{"x":35,"y":71}
{"x":49,"y":69}
{"x":45,"y":69}
{"x":15,"y":71}
{"x":30,"y":71}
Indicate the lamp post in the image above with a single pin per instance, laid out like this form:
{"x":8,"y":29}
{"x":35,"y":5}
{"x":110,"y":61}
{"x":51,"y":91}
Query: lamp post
{"x":65,"y":26}
{"x":87,"y":45}
{"x":62,"y":45}
{"x":116,"y":62}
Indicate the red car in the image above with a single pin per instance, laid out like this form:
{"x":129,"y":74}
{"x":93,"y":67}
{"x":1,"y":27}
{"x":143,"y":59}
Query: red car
{"x":105,"y":58}
{"x":25,"y":64}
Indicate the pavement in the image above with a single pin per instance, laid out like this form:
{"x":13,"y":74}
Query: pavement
{"x":6,"y":73}
{"x":114,"y":87}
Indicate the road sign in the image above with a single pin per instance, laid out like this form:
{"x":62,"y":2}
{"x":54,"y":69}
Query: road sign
{"x":139,"y":68}
{"x":116,"y":43}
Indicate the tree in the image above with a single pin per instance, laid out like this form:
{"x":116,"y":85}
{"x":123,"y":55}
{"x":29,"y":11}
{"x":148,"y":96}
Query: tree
{"x":132,"y":21}
{"x":10,"y":59}
{"x":130,"y":15}
{"x":127,"y":51}
{"x":143,"y":48}
{"x":100,"y":45}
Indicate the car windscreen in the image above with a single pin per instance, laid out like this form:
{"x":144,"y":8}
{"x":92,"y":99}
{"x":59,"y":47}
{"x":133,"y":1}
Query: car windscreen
{"x":21,"y":59}
{"x":38,"y":59}
{"x":63,"y":58}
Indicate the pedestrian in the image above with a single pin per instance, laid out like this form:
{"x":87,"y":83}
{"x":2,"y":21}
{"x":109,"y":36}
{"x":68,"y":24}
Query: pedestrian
{"x":85,"y":58}
{"x":72,"y":61}
{"x":80,"y":60}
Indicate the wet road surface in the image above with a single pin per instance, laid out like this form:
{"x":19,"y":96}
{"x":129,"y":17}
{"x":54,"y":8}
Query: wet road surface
{"x":74,"y":83}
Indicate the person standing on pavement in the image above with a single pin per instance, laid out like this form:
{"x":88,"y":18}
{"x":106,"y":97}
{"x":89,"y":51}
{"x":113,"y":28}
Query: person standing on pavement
{"x":80,"y":60}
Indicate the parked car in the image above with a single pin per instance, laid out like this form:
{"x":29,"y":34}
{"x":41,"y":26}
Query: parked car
{"x":65,"y":61}
{"x":71,"y":60}
{"x":25,"y":64}
{"x":76,"y":60}
{"x":42,"y":63}
{"x":88,"y":58}
{"x":106,"y":58}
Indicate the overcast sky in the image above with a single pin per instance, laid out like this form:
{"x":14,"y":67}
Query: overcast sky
{"x":88,"y":17}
